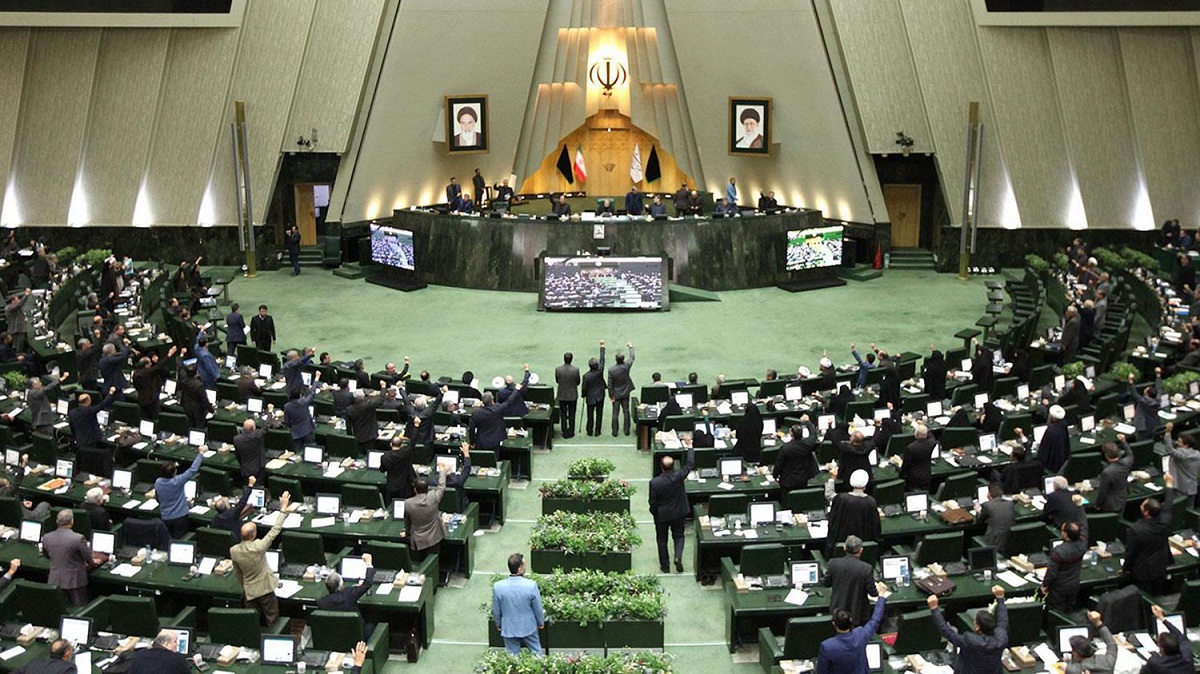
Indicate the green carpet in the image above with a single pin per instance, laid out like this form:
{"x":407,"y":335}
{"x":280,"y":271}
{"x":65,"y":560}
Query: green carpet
{"x":448,"y":330}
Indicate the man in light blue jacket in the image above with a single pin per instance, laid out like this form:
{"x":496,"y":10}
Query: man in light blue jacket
{"x":517,"y":608}
{"x":172,"y":499}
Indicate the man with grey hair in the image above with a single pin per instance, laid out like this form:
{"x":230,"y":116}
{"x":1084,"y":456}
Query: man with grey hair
{"x":420,"y":417}
{"x":86,"y":364}
{"x":246,"y":385}
{"x":12,"y":488}
{"x":249,"y":448}
{"x":93,"y":501}
{"x":361,"y":420}
{"x":163,"y":657}
{"x":1070,"y":334}
{"x":342,"y":598}
{"x":112,"y":368}
{"x":70,"y":556}
{"x":852,"y":580}
{"x":294,"y":366}
{"x":916,"y":468}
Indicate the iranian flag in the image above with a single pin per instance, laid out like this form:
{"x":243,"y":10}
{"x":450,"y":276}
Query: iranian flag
{"x":580,"y":169}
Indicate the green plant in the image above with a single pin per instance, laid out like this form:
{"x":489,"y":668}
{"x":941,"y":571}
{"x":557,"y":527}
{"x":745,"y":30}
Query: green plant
{"x":94,"y":257}
{"x":586,"y":596}
{"x":1179,"y":383}
{"x":1120,"y":372}
{"x":66,"y":254}
{"x":1061,"y":261}
{"x":586,"y":490}
{"x":590,"y":468}
{"x":1109,"y":260}
{"x":640,"y":662}
{"x":1074,"y":369}
{"x":1137,"y":258}
{"x":16,"y":380}
{"x":1037,"y":263}
{"x":578,"y":533}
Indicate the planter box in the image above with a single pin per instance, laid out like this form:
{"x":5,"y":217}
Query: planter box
{"x":575,"y":505}
{"x":572,"y":636}
{"x":545,"y":561}
{"x":637,"y":634}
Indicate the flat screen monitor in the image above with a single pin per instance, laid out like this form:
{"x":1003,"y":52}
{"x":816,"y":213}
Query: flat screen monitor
{"x":258,"y":498}
{"x":12,"y":457}
{"x":278,"y":650}
{"x":189,"y":490}
{"x":446,"y":462}
{"x":874,"y":657}
{"x":981,"y":399}
{"x":1087,"y":424}
{"x":353,"y":568}
{"x":731,"y":467}
{"x":196,"y":438}
{"x":75,"y":630}
{"x":826,"y":422}
{"x":604,"y":283}
{"x":373,"y":459}
{"x":1065,"y":634}
{"x":254,"y":405}
{"x":805,"y":573}
{"x":1038,"y":432}
{"x":1022,"y":391}
{"x":169,"y":387}
{"x":122,"y":479}
{"x":982,"y":558}
{"x":313,"y":454}
{"x":1176,"y":619}
{"x":1060,"y":381}
{"x":398,"y":509}
{"x":965,"y":365}
{"x":62,"y":407}
{"x":987,"y":442}
{"x":265,"y":370}
{"x":392,"y":247}
{"x":1048,"y":485}
{"x":104,"y":541}
{"x":31,"y":532}
{"x":64,"y":468}
{"x":181,"y":553}
{"x":449,"y":397}
{"x":882,"y":413}
{"x":1129,"y":412}
{"x":793,"y":393}
{"x":814,"y":248}
{"x":917,"y":501}
{"x":329,"y":504}
{"x":981,"y":494}
{"x":895,"y":567}
{"x":272,"y":560}
{"x":934,"y":408}
{"x":684,"y":400}
{"x":212,"y":396}
{"x":184,"y":634}
{"x":762,"y":513}
{"x":102,"y":418}
{"x":739,"y":397}
{"x":146,"y":428}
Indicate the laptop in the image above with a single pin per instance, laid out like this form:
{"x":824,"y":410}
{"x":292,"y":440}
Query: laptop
{"x":762,"y":514}
{"x":104,"y":541}
{"x":731,"y":467}
{"x":278,"y":650}
{"x":76,"y":630}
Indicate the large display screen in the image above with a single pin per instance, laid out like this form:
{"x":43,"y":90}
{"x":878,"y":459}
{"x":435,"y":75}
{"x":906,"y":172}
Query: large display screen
{"x":392,"y":247}
{"x":604,"y":283}
{"x":814,"y":248}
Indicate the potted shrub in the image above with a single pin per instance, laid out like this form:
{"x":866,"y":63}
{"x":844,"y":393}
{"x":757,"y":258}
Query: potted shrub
{"x":590,"y":469}
{"x":500,"y":662}
{"x":1074,"y":369}
{"x":585,"y":495}
{"x":591,"y":540}
{"x":1037,"y":264}
{"x":1120,"y":372}
{"x":1178,"y":384}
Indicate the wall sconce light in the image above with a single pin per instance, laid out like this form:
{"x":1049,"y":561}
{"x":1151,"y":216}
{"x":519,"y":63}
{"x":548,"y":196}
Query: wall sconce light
{"x":309,"y":143}
{"x":607,"y":74}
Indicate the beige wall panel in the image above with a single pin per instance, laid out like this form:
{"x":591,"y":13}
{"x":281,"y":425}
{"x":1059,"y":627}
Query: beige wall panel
{"x":331,"y":77}
{"x":54,"y":111}
{"x":274,"y":35}
{"x":1161,"y":76}
{"x":1091,"y":93}
{"x":946,"y":54}
{"x":128,"y":78}
{"x":884,"y":80}
{"x":14,"y":47}
{"x":813,"y":163}
{"x":1021,"y":82}
{"x":399,"y":163}
{"x":189,"y":121}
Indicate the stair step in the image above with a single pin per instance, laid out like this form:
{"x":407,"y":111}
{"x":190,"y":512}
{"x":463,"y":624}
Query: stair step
{"x":350,"y":271}
{"x":862,"y":272}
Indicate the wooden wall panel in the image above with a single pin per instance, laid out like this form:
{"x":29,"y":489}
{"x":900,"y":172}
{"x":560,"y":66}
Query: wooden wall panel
{"x":14,"y":48}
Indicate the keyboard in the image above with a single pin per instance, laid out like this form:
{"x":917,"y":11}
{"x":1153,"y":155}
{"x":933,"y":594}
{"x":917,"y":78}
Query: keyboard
{"x":773,"y":582}
{"x":209,"y":651}
{"x":106,"y":643}
{"x":385,"y":577}
{"x":292,"y":570}
{"x":10,"y":631}
{"x":315,"y":658}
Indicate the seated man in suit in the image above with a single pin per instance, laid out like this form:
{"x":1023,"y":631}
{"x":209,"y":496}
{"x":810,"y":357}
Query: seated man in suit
{"x":658,"y":208}
{"x":605,"y":209}
{"x":342,"y":598}
{"x":163,"y":657}
{"x":695,"y":205}
{"x":562,"y":208}
{"x":60,"y":661}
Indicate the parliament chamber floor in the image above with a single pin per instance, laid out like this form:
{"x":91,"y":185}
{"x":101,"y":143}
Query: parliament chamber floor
{"x":448,"y":330}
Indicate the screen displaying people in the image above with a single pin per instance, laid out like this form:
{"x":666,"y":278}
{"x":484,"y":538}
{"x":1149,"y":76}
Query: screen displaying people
{"x":814,"y":248}
{"x":603,"y":283}
{"x":392,"y":247}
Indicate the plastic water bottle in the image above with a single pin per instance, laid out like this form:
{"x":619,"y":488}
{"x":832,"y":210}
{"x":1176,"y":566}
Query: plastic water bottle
{"x":904,"y":579}
{"x":1093,"y":559}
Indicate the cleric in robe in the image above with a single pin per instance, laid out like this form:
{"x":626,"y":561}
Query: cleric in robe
{"x":751,"y":120}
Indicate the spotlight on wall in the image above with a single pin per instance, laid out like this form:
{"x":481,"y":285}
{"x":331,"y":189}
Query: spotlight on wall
{"x":309,"y":143}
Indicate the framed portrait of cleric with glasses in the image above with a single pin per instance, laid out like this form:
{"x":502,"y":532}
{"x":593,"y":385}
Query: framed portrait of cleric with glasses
{"x":466,"y":124}
{"x":750,"y":126}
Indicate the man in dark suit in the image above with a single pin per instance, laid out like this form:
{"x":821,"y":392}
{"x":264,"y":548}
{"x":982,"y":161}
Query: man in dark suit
{"x":163,"y":657}
{"x":1147,"y":552}
{"x":1061,"y":582}
{"x":87,"y":359}
{"x":70,"y":556}
{"x":262,"y":329}
{"x":362,"y":420}
{"x":669,"y":506}
{"x":193,"y":398}
{"x":292,"y":241}
{"x":85,"y":430}
{"x":681,"y":200}
{"x":1070,"y":334}
{"x":343,"y":397}
{"x":112,"y":368}
{"x":634,"y":201}
{"x":486,"y":428}
{"x":248,"y":447}
{"x":999,"y":514}
{"x":397,"y":465}
{"x":246,"y":385}
{"x":593,"y":393}
{"x":1061,"y":507}
{"x":297,"y":417}
{"x":1112,"y":486}
{"x":235,"y":329}
{"x":342,"y":598}
{"x":852,"y":580}
{"x":620,"y":387}
{"x":61,"y":660}
{"x":1174,"y":654}
{"x":1023,"y":472}
{"x":797,"y":463}
{"x":978,"y":652}
{"x":228,"y":516}
{"x":453,"y":191}
{"x":916,"y":468}
{"x":566,"y":377}
{"x":1145,"y":417}
{"x":855,"y":455}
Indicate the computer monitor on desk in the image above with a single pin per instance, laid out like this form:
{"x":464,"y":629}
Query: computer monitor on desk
{"x":916,"y":502}
{"x":762,"y":513}
{"x":895,"y":567}
{"x":805,"y":573}
{"x":278,"y":650}
{"x":1065,"y":634}
{"x":731,"y":467}
{"x":75,"y":630}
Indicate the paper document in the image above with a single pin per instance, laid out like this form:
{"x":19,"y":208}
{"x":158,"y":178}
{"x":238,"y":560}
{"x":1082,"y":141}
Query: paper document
{"x":1011,"y":579}
{"x":797,"y":597}
{"x":126,"y":570}
{"x":130,"y":505}
{"x":1146,"y":641}
{"x":198,"y":509}
{"x":818,"y":530}
{"x":149,"y":505}
{"x":384,"y":588}
{"x":409,"y":594}
{"x":12,"y":653}
{"x":319,"y":522}
{"x":287,"y":588}
{"x":293,"y":521}
{"x":1046,"y":654}
{"x":206,"y":566}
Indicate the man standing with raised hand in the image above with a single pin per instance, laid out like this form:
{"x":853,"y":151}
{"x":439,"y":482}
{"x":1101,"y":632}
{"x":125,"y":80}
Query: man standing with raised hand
{"x":620,"y":387}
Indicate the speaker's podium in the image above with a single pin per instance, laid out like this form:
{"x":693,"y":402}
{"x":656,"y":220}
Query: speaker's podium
{"x":812,"y":279}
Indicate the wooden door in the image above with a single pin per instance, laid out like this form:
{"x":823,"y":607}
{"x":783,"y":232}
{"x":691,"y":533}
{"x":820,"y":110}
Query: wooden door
{"x":306,"y":217}
{"x":904,"y":210}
